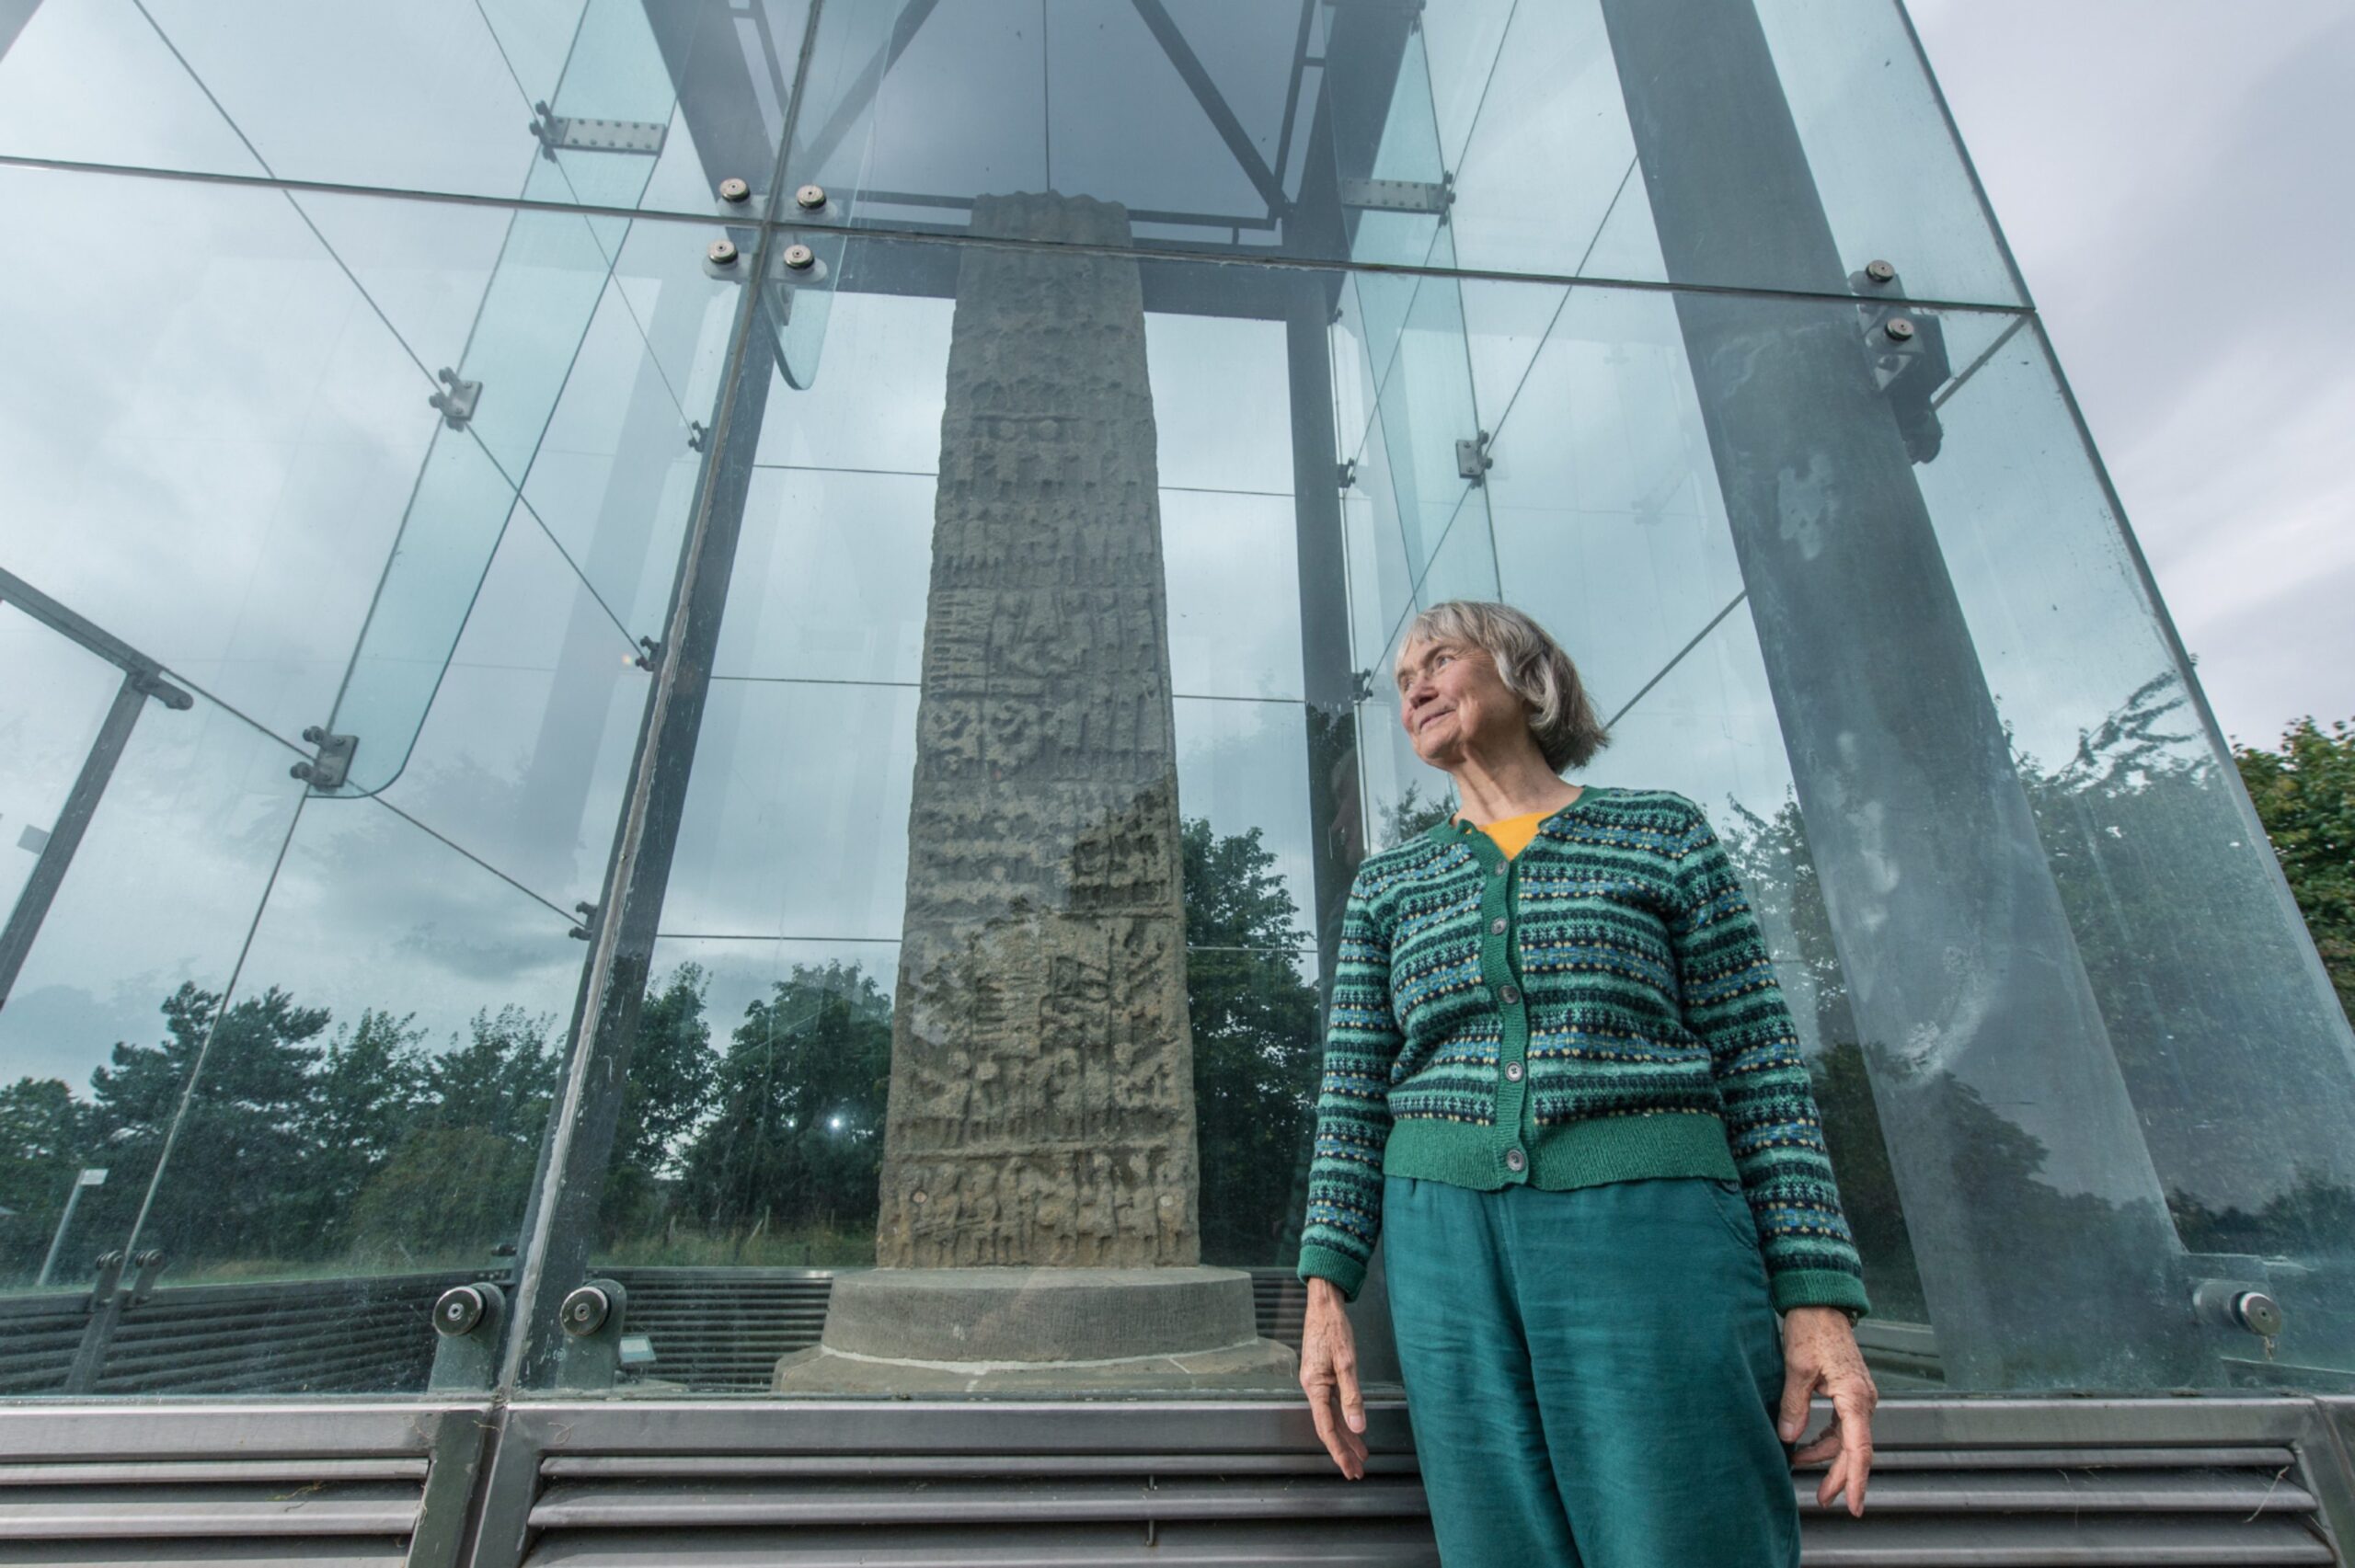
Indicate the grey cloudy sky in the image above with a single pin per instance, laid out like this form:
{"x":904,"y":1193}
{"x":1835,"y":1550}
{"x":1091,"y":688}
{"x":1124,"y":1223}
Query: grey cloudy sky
{"x":2173,"y":175}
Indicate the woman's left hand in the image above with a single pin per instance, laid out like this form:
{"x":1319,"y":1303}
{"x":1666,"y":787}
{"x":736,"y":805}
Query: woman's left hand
{"x":1820,"y":1352}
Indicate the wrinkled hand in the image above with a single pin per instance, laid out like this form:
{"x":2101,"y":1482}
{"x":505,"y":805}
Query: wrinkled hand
{"x":1820,"y":1353}
{"x":1329,"y":1372}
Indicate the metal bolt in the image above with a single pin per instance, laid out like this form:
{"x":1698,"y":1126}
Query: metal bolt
{"x":800,"y":258}
{"x":811,"y":197}
{"x":460,"y":1309}
{"x":735,"y":191}
{"x":722,"y":253}
{"x":1899,"y":329}
{"x":2257,"y":1312}
{"x":585,"y":1311}
{"x":1880,"y":271}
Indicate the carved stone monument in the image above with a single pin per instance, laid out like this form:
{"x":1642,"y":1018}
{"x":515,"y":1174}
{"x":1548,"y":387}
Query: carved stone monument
{"x":1039,"y":1185}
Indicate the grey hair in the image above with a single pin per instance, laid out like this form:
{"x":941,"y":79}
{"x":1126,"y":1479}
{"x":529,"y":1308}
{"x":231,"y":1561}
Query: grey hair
{"x":1535,"y":669}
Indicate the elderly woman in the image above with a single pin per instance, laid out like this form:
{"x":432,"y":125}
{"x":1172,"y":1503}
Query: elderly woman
{"x":1558,"y":1069}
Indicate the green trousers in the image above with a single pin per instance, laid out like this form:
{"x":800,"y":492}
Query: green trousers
{"x":1592,"y":1374}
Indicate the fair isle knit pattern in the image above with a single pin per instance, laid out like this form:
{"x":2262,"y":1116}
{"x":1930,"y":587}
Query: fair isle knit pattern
{"x":1599,"y":1008}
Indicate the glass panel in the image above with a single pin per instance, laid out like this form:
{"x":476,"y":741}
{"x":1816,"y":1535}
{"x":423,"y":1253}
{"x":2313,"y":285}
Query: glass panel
{"x":1194,"y":116}
{"x":224,"y":435}
{"x":1611,"y":528}
{"x":1213,"y":127}
{"x":143,"y":938}
{"x":629,"y":318}
{"x":356,"y":1130}
{"x":452,"y":98}
{"x":989,"y":933}
{"x":525,"y":756}
{"x":1883,"y":152}
{"x":2223,"y":1021}
{"x":785,"y":836}
{"x":47,"y":745}
{"x":1231,"y":637}
{"x":1550,"y":181}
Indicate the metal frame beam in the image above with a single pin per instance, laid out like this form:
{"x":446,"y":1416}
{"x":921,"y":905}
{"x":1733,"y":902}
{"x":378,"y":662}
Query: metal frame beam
{"x":1945,"y":915}
{"x":142,"y":677}
{"x":861,"y":91}
{"x":1222,"y":119}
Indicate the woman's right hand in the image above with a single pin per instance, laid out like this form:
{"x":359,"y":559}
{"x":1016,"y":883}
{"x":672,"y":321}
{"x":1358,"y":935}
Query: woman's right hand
{"x":1329,"y":1375}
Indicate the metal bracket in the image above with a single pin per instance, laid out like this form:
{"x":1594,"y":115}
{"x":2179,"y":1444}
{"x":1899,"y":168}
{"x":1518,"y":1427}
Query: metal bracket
{"x":586,"y":929}
{"x":1471,"y":459}
{"x":575,"y":133}
{"x":327,"y":771}
{"x":1346,"y":475}
{"x":696,"y":433}
{"x":150,"y":1264}
{"x":466,"y":1323}
{"x":107,"y":1303}
{"x":592,"y":1317}
{"x":456,"y":399}
{"x":1400,"y":195}
{"x":652,"y":654}
{"x":1360,"y":685}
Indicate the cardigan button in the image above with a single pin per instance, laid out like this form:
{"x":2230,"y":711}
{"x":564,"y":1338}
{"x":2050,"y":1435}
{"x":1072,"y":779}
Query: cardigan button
{"x":1515,"y":1160}
{"x":1497,"y":925}
{"x":1512,"y":1072}
{"x":1509,"y":995}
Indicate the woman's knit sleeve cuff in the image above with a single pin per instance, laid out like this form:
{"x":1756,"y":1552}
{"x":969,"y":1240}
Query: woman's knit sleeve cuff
{"x":1813,"y":1288}
{"x":1323,"y":1263}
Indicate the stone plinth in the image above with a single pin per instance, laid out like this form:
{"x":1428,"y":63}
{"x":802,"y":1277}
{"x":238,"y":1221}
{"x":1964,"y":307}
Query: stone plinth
{"x":1045,"y":1330}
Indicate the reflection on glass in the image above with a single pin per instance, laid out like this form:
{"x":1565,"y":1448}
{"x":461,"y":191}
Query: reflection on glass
{"x":144,"y":933}
{"x":559,"y":301}
{"x":1051,"y":711}
{"x":457,"y":97}
{"x":46,"y":747}
{"x":349,"y":1129}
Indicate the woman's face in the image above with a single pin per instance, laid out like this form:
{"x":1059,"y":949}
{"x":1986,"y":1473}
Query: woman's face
{"x":1454,"y":704}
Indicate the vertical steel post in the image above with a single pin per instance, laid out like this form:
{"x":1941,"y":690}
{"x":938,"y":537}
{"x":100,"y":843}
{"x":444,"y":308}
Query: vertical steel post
{"x":2040,"y":1225}
{"x":561,"y":1227}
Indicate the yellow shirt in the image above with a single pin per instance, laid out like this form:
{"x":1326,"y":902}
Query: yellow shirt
{"x":1512,"y":834}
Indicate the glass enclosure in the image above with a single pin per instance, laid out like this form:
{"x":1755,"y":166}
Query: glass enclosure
{"x":669,"y":662}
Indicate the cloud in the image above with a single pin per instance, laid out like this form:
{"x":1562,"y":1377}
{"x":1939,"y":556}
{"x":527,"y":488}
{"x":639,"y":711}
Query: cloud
{"x":2164,"y":173}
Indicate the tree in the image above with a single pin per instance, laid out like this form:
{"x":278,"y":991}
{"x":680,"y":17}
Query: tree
{"x":2186,"y":956}
{"x":1255,"y":1050}
{"x":459,"y":1177}
{"x":796,"y":1133}
{"x":365,"y":1093}
{"x":239,"y":1159}
{"x":1770,"y":855}
{"x":46,"y":1137}
{"x":1410,"y":816}
{"x":2305,"y":793}
{"x":668,"y":1094}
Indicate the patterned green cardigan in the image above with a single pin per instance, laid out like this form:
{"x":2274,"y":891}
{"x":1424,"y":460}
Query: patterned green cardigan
{"x":1599,"y":1008}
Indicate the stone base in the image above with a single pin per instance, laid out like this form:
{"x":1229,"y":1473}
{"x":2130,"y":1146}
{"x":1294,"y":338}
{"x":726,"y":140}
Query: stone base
{"x":1040,"y":1330}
